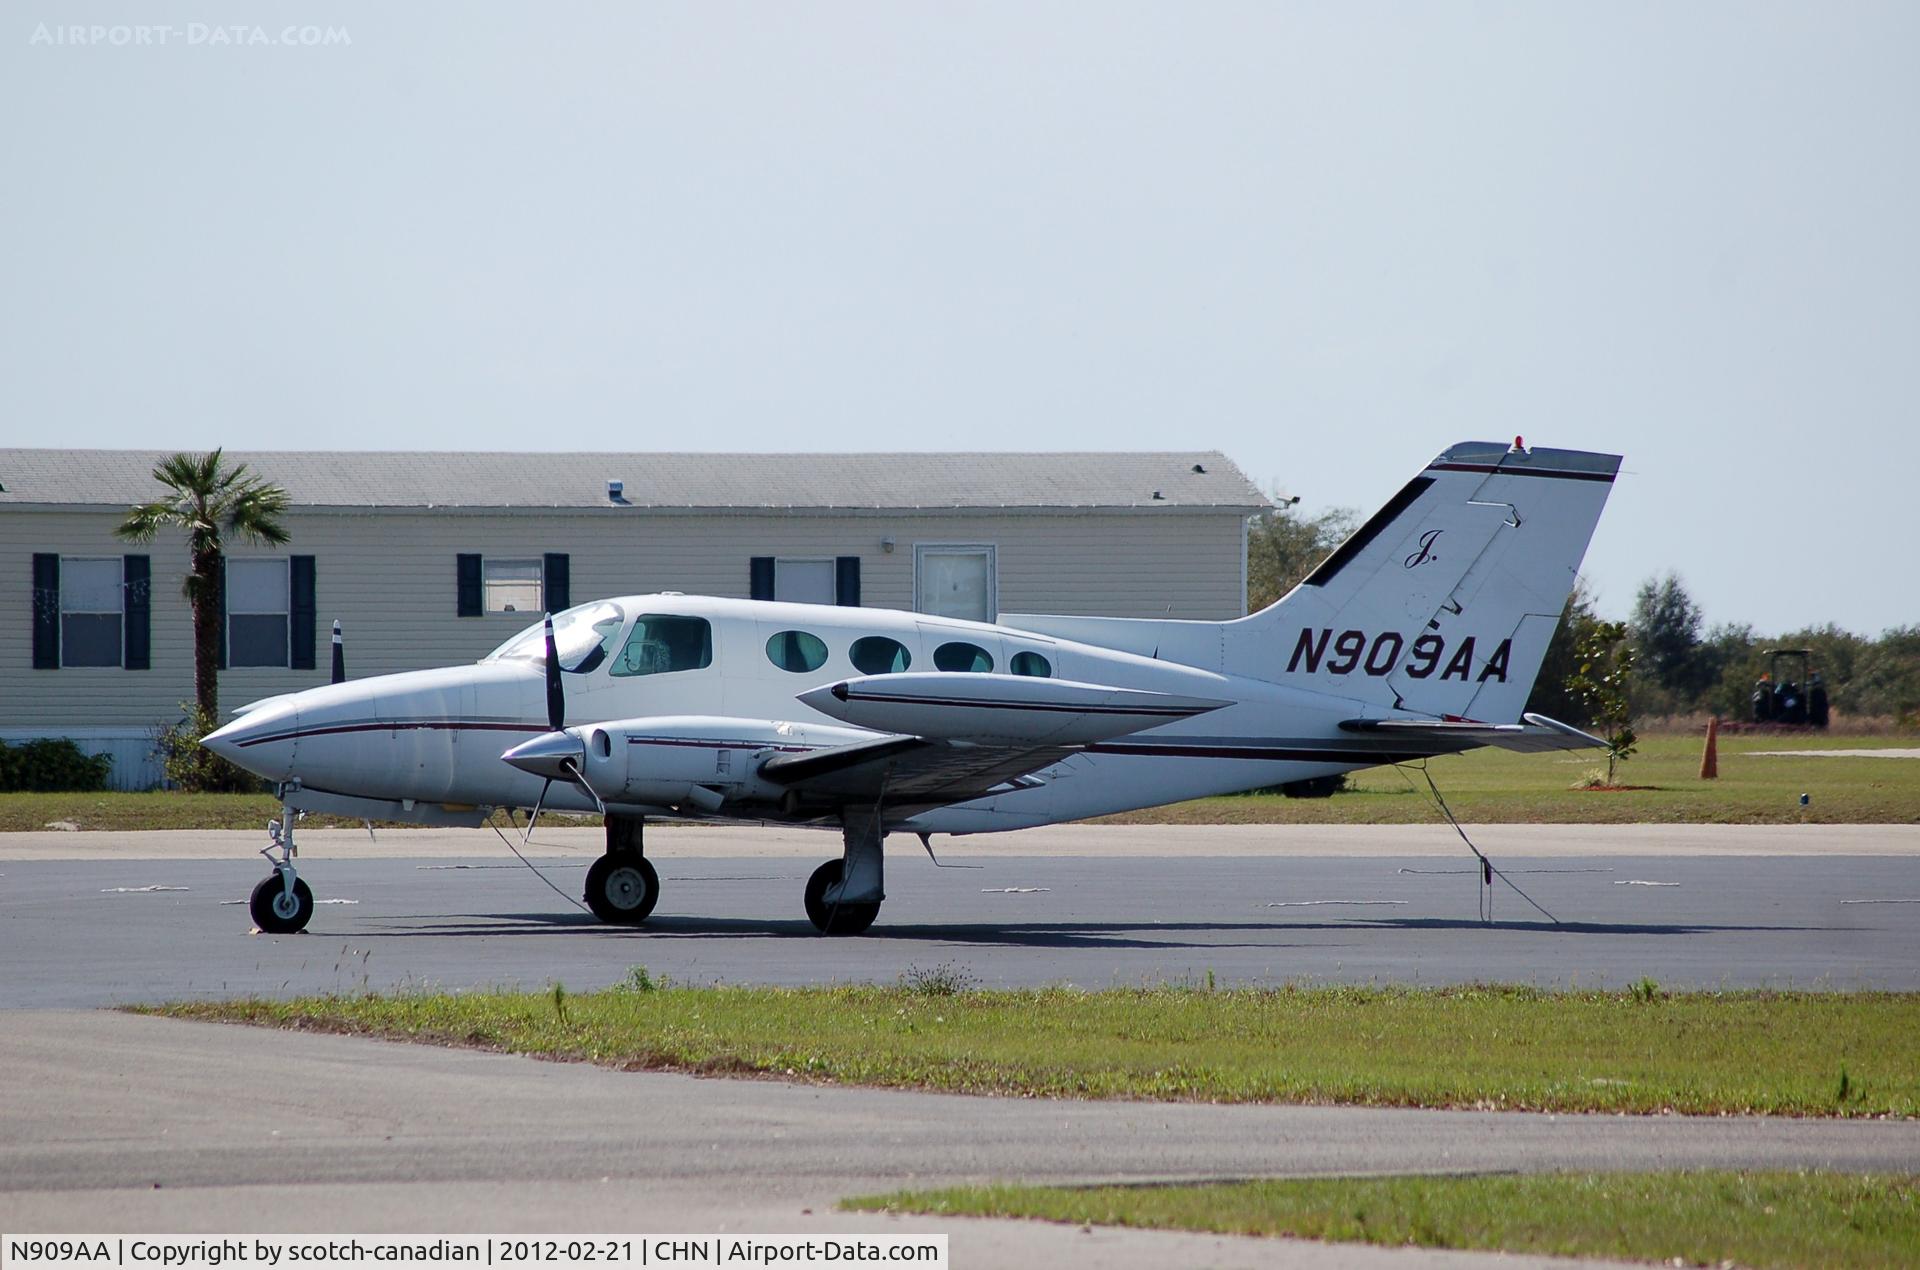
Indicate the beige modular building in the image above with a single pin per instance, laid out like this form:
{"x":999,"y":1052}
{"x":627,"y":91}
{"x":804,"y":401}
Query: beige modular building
{"x":428,"y":559}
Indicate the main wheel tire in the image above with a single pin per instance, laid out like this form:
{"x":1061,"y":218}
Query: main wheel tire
{"x":835,"y":919}
{"x":622,"y":888}
{"x":277,"y":913}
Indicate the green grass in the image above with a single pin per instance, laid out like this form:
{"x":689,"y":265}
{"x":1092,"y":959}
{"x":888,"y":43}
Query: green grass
{"x":1709,"y":1218}
{"x":1484,"y":787}
{"x":1799,"y":1053}
{"x":1499,"y":787}
{"x":162,"y":809}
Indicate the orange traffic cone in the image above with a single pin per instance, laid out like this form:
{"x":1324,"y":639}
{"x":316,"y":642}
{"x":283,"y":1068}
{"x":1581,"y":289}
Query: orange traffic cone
{"x":1710,"y":760}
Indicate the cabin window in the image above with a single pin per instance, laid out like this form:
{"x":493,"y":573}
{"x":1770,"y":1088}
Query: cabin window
{"x":257,"y":613}
{"x":1032,"y":664}
{"x":797,"y":651}
{"x":662,"y":644}
{"x":955,"y":581}
{"x":960,"y":656}
{"x":91,"y":602}
{"x":512,"y":586}
{"x":878,"y":655}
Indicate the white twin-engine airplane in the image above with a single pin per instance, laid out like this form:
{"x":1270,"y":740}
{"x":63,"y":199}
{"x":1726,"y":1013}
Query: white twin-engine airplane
{"x":1421,"y":635}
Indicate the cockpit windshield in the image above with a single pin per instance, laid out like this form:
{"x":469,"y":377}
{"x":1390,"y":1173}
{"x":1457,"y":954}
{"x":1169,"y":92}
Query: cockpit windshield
{"x":582,"y":636}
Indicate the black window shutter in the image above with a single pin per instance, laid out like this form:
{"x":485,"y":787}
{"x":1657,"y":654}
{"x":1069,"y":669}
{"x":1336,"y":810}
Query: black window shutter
{"x":846,"y":581}
{"x":46,"y":611}
{"x":220,"y":615}
{"x":137,"y":574}
{"x":760,"y":578}
{"x":467,"y":579}
{"x":556,"y":582}
{"x":302,"y":614}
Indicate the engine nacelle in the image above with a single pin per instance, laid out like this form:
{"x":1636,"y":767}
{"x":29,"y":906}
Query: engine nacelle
{"x":703,"y":761}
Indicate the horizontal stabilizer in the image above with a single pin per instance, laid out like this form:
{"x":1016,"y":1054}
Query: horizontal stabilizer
{"x":1538,"y":734}
{"x":966,"y":707}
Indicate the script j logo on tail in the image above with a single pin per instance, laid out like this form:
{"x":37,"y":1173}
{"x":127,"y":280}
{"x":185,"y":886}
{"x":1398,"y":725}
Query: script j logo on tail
{"x":1425,"y":554}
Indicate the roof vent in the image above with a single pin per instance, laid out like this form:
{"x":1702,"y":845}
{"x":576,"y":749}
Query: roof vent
{"x":1200,"y":469}
{"x":616,"y":491}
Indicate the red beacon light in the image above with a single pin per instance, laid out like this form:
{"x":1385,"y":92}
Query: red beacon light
{"x":1519,"y":445}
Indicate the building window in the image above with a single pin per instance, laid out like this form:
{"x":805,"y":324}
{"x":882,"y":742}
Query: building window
{"x":512,"y":586}
{"x":257,"y":613}
{"x":805,"y":581}
{"x":956,"y":581}
{"x":91,"y":604}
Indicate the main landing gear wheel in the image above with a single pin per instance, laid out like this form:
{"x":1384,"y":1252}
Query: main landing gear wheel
{"x":835,"y":919}
{"x":277,"y":913}
{"x":622,"y":888}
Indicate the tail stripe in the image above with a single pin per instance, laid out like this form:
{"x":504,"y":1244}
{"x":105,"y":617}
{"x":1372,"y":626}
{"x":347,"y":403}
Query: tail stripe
{"x":1553,"y":473}
{"x":1377,"y":522}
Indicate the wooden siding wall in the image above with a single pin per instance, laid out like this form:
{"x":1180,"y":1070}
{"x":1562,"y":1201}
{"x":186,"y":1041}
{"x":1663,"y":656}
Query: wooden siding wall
{"x":389,"y":577}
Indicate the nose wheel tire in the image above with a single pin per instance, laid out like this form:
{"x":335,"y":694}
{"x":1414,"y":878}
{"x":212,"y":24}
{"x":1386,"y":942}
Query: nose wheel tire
{"x":622,"y":888}
{"x":277,"y":913}
{"x":835,"y":919}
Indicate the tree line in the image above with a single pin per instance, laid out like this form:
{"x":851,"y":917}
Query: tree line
{"x":1678,"y":663}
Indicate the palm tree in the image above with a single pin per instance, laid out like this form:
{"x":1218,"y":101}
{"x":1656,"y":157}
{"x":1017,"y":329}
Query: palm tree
{"x":208,"y":499}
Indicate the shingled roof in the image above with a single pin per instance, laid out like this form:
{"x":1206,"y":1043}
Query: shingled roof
{"x":363,"y":478}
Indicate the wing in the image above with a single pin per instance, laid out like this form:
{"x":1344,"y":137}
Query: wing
{"x":910,"y":773}
{"x":1536,"y":735}
{"x":957,"y":737}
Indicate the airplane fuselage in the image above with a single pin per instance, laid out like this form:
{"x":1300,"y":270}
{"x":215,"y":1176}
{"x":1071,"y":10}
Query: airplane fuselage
{"x":435,"y":737}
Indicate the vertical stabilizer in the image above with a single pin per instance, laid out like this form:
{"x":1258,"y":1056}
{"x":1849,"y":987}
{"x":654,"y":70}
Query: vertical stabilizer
{"x":1442,"y":603}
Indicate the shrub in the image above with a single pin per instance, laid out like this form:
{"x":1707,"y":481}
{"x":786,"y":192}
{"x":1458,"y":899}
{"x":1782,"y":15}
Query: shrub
{"x":50,"y":765}
{"x":190,"y":766}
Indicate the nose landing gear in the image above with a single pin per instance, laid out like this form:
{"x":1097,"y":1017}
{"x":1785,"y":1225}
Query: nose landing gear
{"x":282,"y":903}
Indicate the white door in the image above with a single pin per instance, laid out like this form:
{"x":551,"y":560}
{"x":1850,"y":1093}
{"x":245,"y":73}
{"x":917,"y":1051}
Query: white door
{"x":955,"y":581}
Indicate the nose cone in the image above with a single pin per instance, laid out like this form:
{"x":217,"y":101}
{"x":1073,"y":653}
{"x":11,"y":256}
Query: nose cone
{"x":555,"y":755}
{"x":260,"y":740}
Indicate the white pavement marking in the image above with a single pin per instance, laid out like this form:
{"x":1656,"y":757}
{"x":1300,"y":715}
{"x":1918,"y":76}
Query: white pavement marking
{"x":1317,"y":903}
{"x":1013,"y":890}
{"x":1643,"y":882}
{"x":1140,"y":841}
{"x":1880,"y":901}
{"x":139,"y":890}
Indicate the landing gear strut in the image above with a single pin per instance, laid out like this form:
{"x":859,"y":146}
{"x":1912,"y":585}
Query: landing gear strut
{"x":843,"y":896}
{"x":281,"y":904}
{"x":622,"y":886}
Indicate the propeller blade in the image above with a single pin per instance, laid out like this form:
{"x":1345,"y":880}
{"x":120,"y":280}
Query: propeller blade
{"x":556,"y":691}
{"x":534,"y":819}
{"x":339,"y":655}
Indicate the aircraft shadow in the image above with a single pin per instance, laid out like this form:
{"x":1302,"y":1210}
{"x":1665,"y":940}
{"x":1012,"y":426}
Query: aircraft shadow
{"x":1143,"y":935}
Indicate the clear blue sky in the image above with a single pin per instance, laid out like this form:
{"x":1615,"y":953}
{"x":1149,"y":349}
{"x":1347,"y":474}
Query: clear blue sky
{"x":1328,"y":239}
